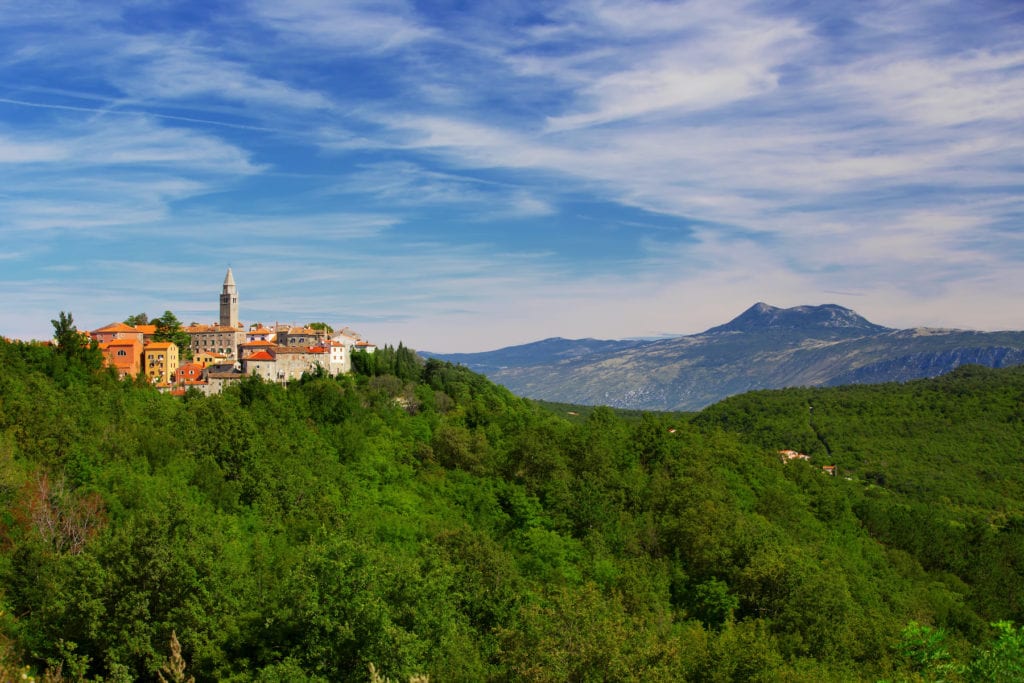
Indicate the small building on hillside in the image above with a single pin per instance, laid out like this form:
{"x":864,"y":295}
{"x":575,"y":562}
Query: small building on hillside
{"x":789,"y":455}
{"x":124,"y":355}
{"x":217,"y":380}
{"x":260,"y":333}
{"x":160,"y":361}
{"x":251,"y":347}
{"x":261,"y":363}
{"x":301,"y":336}
{"x":208,"y":358}
{"x":292,"y":361}
{"x":364,"y":345}
{"x":340,"y":359}
{"x":189,"y":373}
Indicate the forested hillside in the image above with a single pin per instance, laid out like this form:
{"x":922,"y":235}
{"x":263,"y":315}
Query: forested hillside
{"x":422,"y":519}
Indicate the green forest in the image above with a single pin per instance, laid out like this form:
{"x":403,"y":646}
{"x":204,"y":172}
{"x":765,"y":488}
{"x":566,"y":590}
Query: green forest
{"x":414,"y":520}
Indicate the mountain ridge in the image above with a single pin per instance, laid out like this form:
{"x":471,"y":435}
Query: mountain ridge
{"x":762,"y":316}
{"x":765,"y":347}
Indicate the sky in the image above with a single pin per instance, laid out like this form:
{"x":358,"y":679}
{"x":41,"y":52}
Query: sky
{"x":463,"y":176}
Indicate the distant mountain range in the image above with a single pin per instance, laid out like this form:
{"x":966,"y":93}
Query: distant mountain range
{"x":763,"y":348}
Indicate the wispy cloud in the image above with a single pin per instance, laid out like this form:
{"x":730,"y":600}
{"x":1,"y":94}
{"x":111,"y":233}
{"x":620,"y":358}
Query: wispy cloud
{"x":378,"y":26}
{"x":701,"y":56}
{"x":167,"y":68}
{"x":405,"y":184}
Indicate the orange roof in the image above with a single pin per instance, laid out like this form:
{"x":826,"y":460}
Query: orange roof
{"x":260,"y":355}
{"x":146,"y":329}
{"x":119,"y":342}
{"x":260,"y":330}
{"x":116,"y":327}
{"x":160,"y":345}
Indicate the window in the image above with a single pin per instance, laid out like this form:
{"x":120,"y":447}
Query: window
{"x":122,"y":352}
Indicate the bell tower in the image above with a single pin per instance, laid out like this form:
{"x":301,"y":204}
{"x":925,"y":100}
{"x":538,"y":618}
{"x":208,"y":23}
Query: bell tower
{"x":229,"y":301}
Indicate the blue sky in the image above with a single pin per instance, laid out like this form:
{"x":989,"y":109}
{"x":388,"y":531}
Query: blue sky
{"x":465,"y":176}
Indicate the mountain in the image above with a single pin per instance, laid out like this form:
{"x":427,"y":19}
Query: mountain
{"x":765,"y":347}
{"x":555,"y":349}
{"x":762,"y":317}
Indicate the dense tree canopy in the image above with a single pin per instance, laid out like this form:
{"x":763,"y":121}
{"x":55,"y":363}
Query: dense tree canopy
{"x":417,"y":517}
{"x":137,"y":319}
{"x":168,"y":329}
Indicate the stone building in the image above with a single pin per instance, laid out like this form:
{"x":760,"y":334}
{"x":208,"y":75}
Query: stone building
{"x":292,"y":361}
{"x":301,"y":336}
{"x":216,"y":339}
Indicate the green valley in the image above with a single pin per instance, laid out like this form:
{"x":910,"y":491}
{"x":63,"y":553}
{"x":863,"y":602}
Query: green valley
{"x":418,"y":518}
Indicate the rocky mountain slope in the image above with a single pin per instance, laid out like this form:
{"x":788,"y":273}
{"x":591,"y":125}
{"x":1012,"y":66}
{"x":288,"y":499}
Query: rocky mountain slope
{"x":763,"y":348}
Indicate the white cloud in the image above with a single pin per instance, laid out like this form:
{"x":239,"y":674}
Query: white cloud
{"x":16,"y":152}
{"x":404,"y":184}
{"x":140,"y":142}
{"x":111,"y":173}
{"x":716,"y":56}
{"x":378,"y":26}
{"x":950,"y":90}
{"x":165,"y":67}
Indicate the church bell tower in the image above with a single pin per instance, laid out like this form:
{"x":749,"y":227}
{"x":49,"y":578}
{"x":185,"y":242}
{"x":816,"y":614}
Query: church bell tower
{"x":229,"y":302}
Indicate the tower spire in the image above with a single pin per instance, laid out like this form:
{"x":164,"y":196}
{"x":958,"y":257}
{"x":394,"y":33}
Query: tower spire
{"x":229,"y":301}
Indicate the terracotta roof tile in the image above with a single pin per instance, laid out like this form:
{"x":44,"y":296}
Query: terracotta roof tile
{"x":120,"y":342}
{"x":116,"y":327}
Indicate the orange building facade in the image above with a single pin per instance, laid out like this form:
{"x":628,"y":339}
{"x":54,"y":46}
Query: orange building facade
{"x":124,"y":355}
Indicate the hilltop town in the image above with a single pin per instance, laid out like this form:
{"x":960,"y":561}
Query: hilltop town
{"x":225,"y":352}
